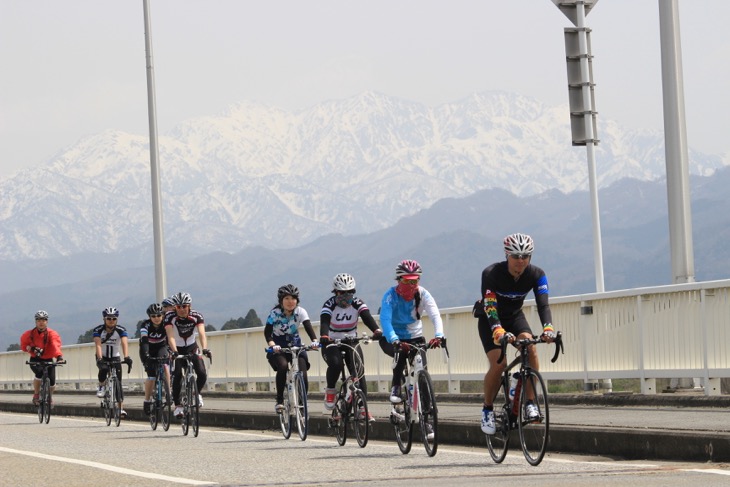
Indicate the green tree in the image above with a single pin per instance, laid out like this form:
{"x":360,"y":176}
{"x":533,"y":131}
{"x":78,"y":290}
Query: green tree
{"x":138,"y":334}
{"x":233,"y":324}
{"x":87,"y":337}
{"x":209,"y":327}
{"x":13,"y":347}
{"x":251,"y":320}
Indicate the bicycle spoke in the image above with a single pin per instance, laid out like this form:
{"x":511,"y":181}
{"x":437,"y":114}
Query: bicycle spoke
{"x":339,"y":419}
{"x":533,"y":431}
{"x":301,"y":412}
{"x":361,"y":418}
{"x":429,"y":413}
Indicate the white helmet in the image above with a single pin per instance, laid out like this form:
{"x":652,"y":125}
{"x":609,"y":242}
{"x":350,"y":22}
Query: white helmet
{"x":518,"y":243}
{"x":343,"y":282}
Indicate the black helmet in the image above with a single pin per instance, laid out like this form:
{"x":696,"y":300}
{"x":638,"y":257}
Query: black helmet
{"x":154,"y":309}
{"x":287,"y":290}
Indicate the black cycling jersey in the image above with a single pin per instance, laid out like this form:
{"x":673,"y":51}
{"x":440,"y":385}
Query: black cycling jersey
{"x":500,"y":290}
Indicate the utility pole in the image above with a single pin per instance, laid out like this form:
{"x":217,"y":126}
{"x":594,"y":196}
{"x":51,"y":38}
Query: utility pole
{"x":157,"y":227}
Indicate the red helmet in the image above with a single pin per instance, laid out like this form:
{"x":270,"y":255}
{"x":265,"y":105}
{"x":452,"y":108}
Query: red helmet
{"x":408,"y":269}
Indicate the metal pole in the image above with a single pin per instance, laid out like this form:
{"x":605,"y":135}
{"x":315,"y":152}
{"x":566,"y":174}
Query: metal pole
{"x":675,"y":145}
{"x":590,"y":145}
{"x":159,"y":237}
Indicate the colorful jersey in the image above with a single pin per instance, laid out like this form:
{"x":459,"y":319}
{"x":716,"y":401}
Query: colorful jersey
{"x":282,"y":329}
{"x":400,"y":320}
{"x":337,"y":322}
{"x":49,"y":341}
{"x":184,"y":330}
{"x":110,"y":341}
{"x":503,"y":296}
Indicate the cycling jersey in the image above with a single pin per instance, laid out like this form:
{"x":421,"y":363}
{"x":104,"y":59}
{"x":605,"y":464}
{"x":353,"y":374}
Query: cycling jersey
{"x":49,"y":341}
{"x":184,"y":330}
{"x":400,"y":319}
{"x":283,"y":330}
{"x":110,"y":340}
{"x":503,"y":296}
{"x":337,"y":322}
{"x":152,"y":339}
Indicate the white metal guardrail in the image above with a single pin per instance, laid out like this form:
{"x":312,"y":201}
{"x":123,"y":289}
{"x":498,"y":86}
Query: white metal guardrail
{"x":676,"y":331}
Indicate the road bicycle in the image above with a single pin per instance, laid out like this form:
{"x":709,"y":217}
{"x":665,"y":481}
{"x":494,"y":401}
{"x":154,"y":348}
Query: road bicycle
{"x":529,"y":386}
{"x":351,"y":406}
{"x":190,"y":400}
{"x":111,"y":403}
{"x":44,"y":393}
{"x":161,"y":397}
{"x":295,"y":395}
{"x":418,"y":401}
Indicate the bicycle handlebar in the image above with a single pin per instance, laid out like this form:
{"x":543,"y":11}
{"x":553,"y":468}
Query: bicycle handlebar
{"x":293,"y":349}
{"x":47,"y":364}
{"x":522,"y":342}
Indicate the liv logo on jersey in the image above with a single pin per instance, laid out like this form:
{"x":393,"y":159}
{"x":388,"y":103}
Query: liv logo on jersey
{"x":343,"y":318}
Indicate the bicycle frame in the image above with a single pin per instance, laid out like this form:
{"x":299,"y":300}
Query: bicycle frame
{"x":411,"y":410}
{"x":44,"y":392}
{"x":161,"y":399}
{"x":295,"y":398}
{"x":350,"y":402}
{"x":530,"y":389}
{"x":189,"y":399}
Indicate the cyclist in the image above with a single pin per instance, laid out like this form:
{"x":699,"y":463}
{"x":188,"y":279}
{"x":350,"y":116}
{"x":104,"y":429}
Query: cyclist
{"x":182,"y":327}
{"x":281,"y":330}
{"x":505,"y":285}
{"x":400,"y":318}
{"x":167,"y":306}
{"x":113,"y":337}
{"x":152,"y":343}
{"x":338,"y":319}
{"x":43,"y":345}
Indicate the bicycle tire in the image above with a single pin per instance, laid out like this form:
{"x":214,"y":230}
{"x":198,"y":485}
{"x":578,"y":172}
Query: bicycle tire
{"x":106,"y":403}
{"x":429,"y":412}
{"x":195,"y":410}
{"x":498,"y":443}
{"x":301,"y":410}
{"x":185,"y":423}
{"x":339,"y":419}
{"x":360,"y":417}
{"x":117,"y":401}
{"x":156,"y":406}
{"x":166,"y":405}
{"x":402,"y":424}
{"x":46,"y":386}
{"x":534,"y":434}
{"x":285,"y":415}
{"x":42,"y":404}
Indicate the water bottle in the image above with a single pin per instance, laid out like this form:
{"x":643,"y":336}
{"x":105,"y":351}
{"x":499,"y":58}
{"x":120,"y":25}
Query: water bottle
{"x":516,"y":399}
{"x":512,"y":387}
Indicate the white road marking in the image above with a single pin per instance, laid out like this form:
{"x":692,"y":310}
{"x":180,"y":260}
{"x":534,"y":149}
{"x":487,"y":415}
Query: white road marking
{"x":110,"y":468}
{"x":708,"y":470}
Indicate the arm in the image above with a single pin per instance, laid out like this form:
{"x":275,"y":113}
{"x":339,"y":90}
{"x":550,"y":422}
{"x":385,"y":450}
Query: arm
{"x":54,"y":347}
{"x":324,"y":324}
{"x":309,"y":329}
{"x":386,"y":316}
{"x":432,"y":310}
{"x":369,"y":321}
{"x":170,"y":338}
{"x":25,"y":344}
{"x":125,"y":346}
{"x":268,"y":334}
{"x":97,"y":343}
{"x":203,"y":338}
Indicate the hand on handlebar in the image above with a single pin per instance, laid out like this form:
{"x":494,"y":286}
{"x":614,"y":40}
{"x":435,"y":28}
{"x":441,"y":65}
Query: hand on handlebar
{"x":435,"y":342}
{"x":276,"y":349}
{"x":208,"y":354}
{"x":548,"y":333}
{"x":402,"y":346}
{"x":324,"y":340}
{"x":377,"y":334}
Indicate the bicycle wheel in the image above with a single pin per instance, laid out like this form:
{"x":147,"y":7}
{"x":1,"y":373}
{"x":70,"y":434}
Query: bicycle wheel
{"x":195,"y":409}
{"x":165,"y":409}
{"x":117,"y":402}
{"x":339,"y":419}
{"x":155,"y":407}
{"x":42,"y":400}
{"x":360,"y":417}
{"x":301,"y":411}
{"x":499,"y":441}
{"x":106,"y":403}
{"x":534,"y":431}
{"x":46,"y":399}
{"x":186,"y":398}
{"x":400,"y":417}
{"x":285,"y":415}
{"x":429,"y":412}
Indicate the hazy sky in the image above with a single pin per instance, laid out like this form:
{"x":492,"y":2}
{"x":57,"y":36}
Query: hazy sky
{"x":77,"y":67}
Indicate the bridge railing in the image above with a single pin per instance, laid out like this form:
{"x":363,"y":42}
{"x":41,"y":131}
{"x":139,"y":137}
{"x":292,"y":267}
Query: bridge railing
{"x":677,"y":331}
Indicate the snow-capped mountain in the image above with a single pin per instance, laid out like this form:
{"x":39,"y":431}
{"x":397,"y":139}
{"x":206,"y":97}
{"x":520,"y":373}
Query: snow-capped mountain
{"x":258,"y":175}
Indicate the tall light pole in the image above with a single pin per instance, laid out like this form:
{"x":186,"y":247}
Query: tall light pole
{"x":159,"y":237}
{"x":582,"y":109}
